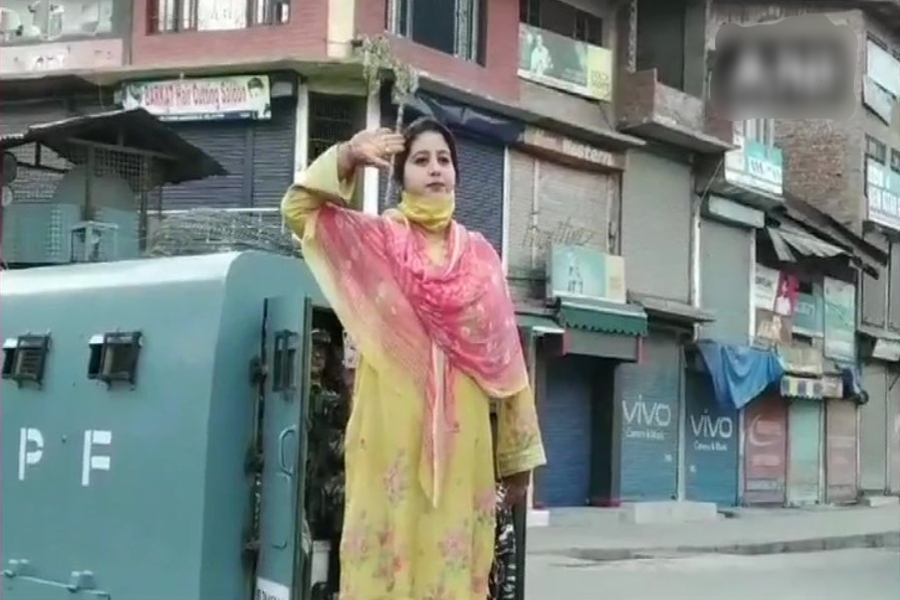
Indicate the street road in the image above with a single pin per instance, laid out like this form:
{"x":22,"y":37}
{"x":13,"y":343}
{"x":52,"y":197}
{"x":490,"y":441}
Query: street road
{"x":837,"y":575}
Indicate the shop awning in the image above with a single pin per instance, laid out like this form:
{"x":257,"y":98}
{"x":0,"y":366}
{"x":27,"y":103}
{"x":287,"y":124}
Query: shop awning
{"x":179,"y":161}
{"x":818,"y":388}
{"x":739,"y":373}
{"x":671,"y":310}
{"x":605,"y":317}
{"x":539,"y":324}
{"x":789,"y":242}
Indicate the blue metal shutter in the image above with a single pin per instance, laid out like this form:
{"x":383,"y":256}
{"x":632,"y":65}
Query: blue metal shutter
{"x":711,"y":444}
{"x":479,"y":193}
{"x":650,"y":395}
{"x":241,"y":146}
{"x":565,"y":415}
{"x":804,"y":451}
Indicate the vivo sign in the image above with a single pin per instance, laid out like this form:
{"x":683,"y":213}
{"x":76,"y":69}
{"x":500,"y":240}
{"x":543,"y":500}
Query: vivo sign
{"x":711,"y":434}
{"x":647,"y":420}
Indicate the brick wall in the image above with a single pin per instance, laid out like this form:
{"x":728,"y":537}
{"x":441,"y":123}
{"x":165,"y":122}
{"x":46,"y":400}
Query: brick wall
{"x":303,"y":36}
{"x":823,"y":158}
{"x":497,"y":79}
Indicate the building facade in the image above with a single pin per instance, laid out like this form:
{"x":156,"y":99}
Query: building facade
{"x":848,"y":170}
{"x":629,"y":218}
{"x":845,"y":169}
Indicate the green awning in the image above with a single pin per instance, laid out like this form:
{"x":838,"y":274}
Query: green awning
{"x":606,"y":317}
{"x":539,"y":323}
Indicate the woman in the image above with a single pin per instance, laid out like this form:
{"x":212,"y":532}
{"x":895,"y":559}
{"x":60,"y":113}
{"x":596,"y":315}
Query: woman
{"x":426,"y":302}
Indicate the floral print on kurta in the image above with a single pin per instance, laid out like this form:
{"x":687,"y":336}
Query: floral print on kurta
{"x":395,"y":544}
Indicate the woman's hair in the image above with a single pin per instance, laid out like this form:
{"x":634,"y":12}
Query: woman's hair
{"x":413,"y":131}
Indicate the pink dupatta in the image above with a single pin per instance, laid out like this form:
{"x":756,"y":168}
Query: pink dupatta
{"x":425,"y":319}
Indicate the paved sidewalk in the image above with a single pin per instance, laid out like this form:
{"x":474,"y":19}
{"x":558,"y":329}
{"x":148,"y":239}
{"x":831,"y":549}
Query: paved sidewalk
{"x":750,"y":531}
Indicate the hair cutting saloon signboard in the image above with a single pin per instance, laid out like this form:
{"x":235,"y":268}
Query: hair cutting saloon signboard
{"x":202,"y":99}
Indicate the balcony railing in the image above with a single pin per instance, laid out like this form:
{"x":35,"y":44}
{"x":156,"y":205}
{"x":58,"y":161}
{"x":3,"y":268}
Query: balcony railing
{"x":650,"y":109}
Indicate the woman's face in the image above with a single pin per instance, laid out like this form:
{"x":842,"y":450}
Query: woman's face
{"x":429,"y":167}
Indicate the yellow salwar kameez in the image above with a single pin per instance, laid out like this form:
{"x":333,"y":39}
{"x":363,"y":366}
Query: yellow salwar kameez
{"x":395,"y":544}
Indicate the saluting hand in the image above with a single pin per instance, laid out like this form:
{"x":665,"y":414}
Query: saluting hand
{"x":375,"y":148}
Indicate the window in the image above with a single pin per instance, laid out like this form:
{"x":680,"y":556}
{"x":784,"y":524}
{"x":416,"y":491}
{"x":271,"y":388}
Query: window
{"x":215,"y":15}
{"x":454,"y":27}
{"x":25,"y":20}
{"x":760,"y":130}
{"x":876,"y":149}
{"x":562,"y":18}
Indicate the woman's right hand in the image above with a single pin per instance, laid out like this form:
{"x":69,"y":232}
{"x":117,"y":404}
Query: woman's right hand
{"x":374,"y":148}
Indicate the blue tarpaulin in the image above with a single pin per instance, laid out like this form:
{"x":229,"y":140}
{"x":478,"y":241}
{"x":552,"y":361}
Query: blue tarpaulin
{"x":739,"y":373}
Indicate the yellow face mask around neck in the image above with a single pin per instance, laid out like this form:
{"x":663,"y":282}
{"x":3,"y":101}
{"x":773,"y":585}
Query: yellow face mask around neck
{"x":431,"y":213}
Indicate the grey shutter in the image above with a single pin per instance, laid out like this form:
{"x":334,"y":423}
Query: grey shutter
{"x":521,"y":238}
{"x":229,"y":143}
{"x":874,"y":291}
{"x":273,"y":154}
{"x":725,"y":280}
{"x":656,"y":224}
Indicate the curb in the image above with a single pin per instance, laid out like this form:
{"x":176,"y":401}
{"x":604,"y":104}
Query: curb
{"x":887,"y":539}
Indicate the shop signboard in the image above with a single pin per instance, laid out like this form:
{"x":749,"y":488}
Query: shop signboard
{"x":56,"y":57}
{"x":840,"y":320}
{"x":583,"y":273}
{"x":202,"y":99}
{"x":883,"y":194}
{"x":562,"y":63}
{"x":809,"y":316}
{"x":755,"y":165}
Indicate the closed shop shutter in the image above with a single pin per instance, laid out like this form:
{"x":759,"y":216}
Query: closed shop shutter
{"x":479,"y":191}
{"x":894,"y":304}
{"x":656,"y":222}
{"x":240,"y":146}
{"x":521,"y":228}
{"x":571,"y":207}
{"x":650,"y":394}
{"x":840,"y":451}
{"x":711,"y":445}
{"x":565,"y":413}
{"x":804,"y":451}
{"x":765,"y":451}
{"x":17,"y":117}
{"x":874,"y":290}
{"x":893,"y":426}
{"x":725,"y":279}
{"x":273,"y":154}
{"x":873,"y":446}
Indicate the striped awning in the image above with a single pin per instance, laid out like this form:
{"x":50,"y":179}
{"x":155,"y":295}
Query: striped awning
{"x":790,"y":241}
{"x":810,"y":388}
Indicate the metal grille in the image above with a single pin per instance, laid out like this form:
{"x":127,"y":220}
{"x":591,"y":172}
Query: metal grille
{"x":205,"y":231}
{"x":332,"y":119}
{"x":116,"y":186}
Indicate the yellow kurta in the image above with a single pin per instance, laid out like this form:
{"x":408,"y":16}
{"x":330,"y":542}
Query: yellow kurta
{"x":395,"y":545}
